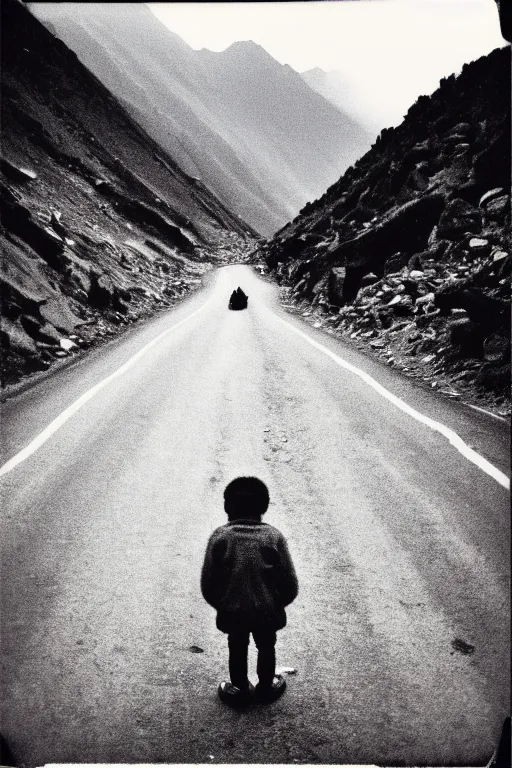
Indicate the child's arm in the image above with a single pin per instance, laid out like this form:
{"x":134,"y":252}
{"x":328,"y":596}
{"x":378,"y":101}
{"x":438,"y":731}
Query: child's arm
{"x":211,"y":574}
{"x":288,"y":584}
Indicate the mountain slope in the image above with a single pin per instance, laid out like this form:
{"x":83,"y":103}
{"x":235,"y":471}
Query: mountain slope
{"x":332,"y":86}
{"x":407,"y":252}
{"x":99,"y":224}
{"x":250,"y":128}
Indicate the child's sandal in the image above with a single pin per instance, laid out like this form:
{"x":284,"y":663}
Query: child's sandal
{"x":233,"y":696}
{"x":273,"y":692}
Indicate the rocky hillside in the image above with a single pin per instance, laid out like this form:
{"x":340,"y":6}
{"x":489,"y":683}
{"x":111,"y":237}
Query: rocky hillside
{"x":264,"y":151}
{"x":99,"y":225}
{"x":408,"y":253}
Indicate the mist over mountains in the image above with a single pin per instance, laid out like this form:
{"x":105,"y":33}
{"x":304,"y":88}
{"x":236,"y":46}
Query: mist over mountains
{"x":332,"y":87}
{"x":249,"y":128}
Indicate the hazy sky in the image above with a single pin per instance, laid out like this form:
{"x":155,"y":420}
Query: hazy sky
{"x":388,"y":51}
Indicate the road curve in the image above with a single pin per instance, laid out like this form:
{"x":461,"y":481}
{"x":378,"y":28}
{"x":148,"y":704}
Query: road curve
{"x":400,"y":633}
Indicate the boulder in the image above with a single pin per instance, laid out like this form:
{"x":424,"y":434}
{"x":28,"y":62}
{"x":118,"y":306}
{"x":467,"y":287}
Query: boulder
{"x":59,"y":314}
{"x":147,"y":218}
{"x":370,"y":279}
{"x":495,"y":378}
{"x":423,"y":321}
{"x":415,"y":262}
{"x":433,"y":237}
{"x":101,"y":291}
{"x":55,"y":221}
{"x":490,"y":195}
{"x":319,"y":287}
{"x":44,"y":332}
{"x":402,"y":229}
{"x":385,"y":317}
{"x":479,"y":246}
{"x":15,"y":338}
{"x":423,"y":301}
{"x":322,"y":226}
{"x":460,"y":130}
{"x":469,"y":191}
{"x":335,"y":286}
{"x":458,"y":218}
{"x":19,"y":299}
{"x":496,"y":348}
{"x":67,"y":345}
{"x":312,"y":238}
{"x":120,"y":299}
{"x":410,"y":287}
{"x":492,"y":314}
{"x":403,"y":307}
{"x":284,"y":250}
{"x":505,"y":267}
{"x":468,"y":337}
{"x":17,"y":219}
{"x":396,"y":262}
{"x":14,"y":173}
{"x":499,"y":256}
{"x":497,"y":208}
{"x":361,"y":213}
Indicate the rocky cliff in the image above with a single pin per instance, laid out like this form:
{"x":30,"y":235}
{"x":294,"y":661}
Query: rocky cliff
{"x":99,"y":225}
{"x":250,"y":128}
{"x":408,"y":252}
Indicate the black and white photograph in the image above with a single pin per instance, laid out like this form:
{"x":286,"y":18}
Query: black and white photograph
{"x":255,"y":398}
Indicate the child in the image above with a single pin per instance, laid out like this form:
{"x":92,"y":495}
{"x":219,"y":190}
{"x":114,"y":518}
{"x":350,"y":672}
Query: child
{"x":249,"y":578}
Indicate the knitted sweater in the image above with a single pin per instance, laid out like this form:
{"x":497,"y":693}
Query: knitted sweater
{"x":248,"y":576}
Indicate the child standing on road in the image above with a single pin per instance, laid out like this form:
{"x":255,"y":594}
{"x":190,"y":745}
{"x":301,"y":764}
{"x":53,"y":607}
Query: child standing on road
{"x":249,"y":578}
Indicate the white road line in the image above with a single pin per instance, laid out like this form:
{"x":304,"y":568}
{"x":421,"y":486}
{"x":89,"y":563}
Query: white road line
{"x":436,"y":426}
{"x":60,"y":420}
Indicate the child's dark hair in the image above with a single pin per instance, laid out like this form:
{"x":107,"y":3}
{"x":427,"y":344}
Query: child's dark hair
{"x":246,"y":497}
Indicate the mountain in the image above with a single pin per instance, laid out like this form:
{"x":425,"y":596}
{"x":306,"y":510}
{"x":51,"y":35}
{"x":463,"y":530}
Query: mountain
{"x":331,"y":86}
{"x":408,"y":252}
{"x":99,"y":224}
{"x":250,"y":128}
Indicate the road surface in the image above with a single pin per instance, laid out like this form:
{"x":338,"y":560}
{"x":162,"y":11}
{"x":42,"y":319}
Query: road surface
{"x":400,"y":632}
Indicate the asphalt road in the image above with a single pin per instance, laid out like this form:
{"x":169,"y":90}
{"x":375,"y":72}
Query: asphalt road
{"x":401,"y":545}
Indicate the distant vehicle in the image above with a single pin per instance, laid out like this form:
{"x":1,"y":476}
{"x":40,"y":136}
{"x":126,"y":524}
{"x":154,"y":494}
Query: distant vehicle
{"x":238,"y":299}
